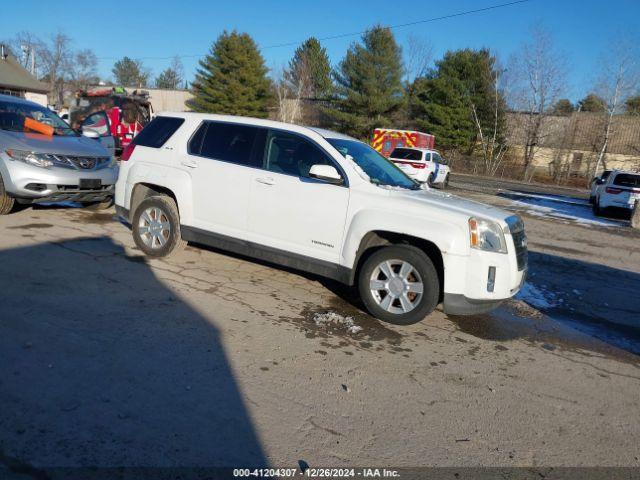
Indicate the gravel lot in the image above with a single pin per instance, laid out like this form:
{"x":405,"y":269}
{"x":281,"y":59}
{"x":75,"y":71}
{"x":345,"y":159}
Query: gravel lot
{"x":206,"y":359}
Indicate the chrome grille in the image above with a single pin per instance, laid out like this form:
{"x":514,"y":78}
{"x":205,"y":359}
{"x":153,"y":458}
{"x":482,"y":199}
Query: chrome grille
{"x":79,"y":163}
{"x":516,"y":228}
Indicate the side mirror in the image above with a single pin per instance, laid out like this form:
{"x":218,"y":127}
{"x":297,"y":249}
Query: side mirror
{"x":90,"y":133}
{"x":326,"y":173}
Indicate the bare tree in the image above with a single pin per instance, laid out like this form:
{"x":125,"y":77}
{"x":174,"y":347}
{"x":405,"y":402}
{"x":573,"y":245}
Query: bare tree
{"x":57,"y":59}
{"x":26,"y":47}
{"x":619,"y":79}
{"x":82,"y":71}
{"x":289,"y":95}
{"x":492,"y":143}
{"x":418,"y":57}
{"x":538,"y":76}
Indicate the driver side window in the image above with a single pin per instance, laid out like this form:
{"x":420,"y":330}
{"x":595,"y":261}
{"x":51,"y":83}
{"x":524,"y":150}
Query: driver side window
{"x":292,"y":155}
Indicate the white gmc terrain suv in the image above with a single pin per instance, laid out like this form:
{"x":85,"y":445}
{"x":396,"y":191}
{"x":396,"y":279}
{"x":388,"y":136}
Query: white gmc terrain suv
{"x":320,"y":202}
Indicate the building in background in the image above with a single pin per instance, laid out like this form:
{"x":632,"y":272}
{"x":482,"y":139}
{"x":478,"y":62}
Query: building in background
{"x":569,"y":145}
{"x":16,"y":80}
{"x":167,"y":100}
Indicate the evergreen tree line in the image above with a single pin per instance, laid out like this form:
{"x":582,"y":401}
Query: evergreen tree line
{"x":461,"y":99}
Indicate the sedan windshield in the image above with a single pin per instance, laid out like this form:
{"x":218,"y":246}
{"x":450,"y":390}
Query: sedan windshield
{"x":379,"y":170}
{"x":27,"y":117}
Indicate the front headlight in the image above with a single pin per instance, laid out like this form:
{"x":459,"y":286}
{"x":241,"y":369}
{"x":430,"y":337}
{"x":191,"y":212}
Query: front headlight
{"x":31,"y":158}
{"x":486,"y":235}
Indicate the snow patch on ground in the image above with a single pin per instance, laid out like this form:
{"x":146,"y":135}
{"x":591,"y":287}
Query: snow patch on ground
{"x":538,"y":297}
{"x":555,"y":206}
{"x":333,"y":318}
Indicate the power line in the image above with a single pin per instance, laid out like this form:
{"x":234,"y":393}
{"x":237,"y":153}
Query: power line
{"x":353,"y":34}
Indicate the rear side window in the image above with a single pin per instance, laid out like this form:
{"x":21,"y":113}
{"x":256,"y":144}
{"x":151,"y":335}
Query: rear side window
{"x":406,"y":154}
{"x":231,"y":143}
{"x":627,"y":180}
{"x":158,"y":131}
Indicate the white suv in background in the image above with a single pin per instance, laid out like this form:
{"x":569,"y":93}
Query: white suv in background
{"x":422,"y":165}
{"x":620,"y":190}
{"x":320,"y":202}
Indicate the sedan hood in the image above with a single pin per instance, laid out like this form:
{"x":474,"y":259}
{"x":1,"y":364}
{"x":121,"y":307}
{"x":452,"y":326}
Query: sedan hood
{"x":63,"y":145}
{"x":453,"y":203}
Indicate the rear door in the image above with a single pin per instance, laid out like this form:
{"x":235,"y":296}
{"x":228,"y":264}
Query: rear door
{"x":222,"y":159}
{"x":291,"y":211}
{"x":438,"y":172}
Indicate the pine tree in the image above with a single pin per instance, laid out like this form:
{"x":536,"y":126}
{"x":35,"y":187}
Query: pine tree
{"x":369,"y":84}
{"x":168,"y":79}
{"x":232,"y":79}
{"x":438,"y":106}
{"x":633,"y":105}
{"x":456,"y":97}
{"x":130,"y":73}
{"x":309,"y":71}
{"x":563,"y":107}
{"x":592,"y":103}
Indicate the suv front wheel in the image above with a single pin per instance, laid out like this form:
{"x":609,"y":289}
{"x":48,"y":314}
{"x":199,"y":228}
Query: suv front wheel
{"x":156,"y":227}
{"x":399,"y":284}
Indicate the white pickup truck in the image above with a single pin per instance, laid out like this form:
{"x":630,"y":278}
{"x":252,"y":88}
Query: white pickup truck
{"x":319,"y":202}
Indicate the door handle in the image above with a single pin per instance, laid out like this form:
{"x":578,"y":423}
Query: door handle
{"x":189,"y":163}
{"x":266,"y":180}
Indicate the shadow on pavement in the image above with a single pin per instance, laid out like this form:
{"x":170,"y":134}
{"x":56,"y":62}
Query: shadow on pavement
{"x":102,"y":365}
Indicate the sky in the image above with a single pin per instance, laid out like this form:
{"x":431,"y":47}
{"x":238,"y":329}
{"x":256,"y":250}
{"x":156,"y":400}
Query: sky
{"x":582,"y":30}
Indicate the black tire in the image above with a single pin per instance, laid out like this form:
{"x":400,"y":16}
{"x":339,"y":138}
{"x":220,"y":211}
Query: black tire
{"x":446,"y":182}
{"x":95,"y":206}
{"x":596,"y":208}
{"x":430,"y":181}
{"x":592,"y":199}
{"x":169,"y":210}
{"x":424,"y":267}
{"x":6,"y":202}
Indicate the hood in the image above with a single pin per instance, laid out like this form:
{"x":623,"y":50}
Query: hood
{"x":35,"y":142}
{"x":453,"y":203}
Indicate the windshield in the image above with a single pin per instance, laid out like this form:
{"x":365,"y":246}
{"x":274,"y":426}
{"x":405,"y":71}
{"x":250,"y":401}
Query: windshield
{"x":379,"y":170}
{"x":27,"y":117}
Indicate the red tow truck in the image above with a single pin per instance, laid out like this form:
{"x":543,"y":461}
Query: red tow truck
{"x":125,"y":113}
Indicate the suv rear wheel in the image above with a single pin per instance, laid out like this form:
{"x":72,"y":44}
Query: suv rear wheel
{"x":6,"y":202}
{"x":430,"y":180}
{"x":399,"y":285}
{"x":156,"y":227}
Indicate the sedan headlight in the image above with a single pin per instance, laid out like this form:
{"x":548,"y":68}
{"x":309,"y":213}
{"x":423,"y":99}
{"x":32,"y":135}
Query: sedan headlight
{"x":486,"y":235}
{"x":31,"y":158}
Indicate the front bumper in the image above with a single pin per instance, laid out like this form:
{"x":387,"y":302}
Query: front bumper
{"x":457,"y":304}
{"x":36,"y":184}
{"x":65,"y":193}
